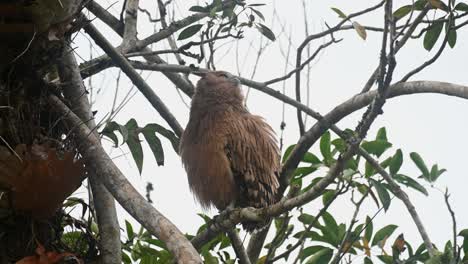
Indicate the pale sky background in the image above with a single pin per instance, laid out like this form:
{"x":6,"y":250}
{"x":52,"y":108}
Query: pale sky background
{"x":432,"y":125}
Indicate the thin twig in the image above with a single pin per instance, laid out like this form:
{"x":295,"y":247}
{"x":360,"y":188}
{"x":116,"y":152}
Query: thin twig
{"x":238,"y":246}
{"x":454,"y":223}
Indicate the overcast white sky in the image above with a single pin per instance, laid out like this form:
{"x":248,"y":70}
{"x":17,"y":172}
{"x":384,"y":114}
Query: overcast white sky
{"x":432,"y":125}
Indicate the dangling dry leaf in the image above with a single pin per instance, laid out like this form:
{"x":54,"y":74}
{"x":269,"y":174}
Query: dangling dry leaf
{"x":39,"y":181}
{"x":360,"y":30}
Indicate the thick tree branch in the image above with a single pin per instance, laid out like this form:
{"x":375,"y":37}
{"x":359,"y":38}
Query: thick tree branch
{"x":106,"y":17}
{"x":130,"y":29}
{"x":134,"y":203}
{"x":109,"y":229}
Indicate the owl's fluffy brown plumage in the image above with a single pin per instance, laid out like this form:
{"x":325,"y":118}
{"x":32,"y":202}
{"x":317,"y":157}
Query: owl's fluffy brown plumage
{"x":231,"y":156}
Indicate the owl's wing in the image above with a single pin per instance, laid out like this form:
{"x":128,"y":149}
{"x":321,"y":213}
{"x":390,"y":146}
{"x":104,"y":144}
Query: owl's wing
{"x":254,"y":156}
{"x":202,"y":149}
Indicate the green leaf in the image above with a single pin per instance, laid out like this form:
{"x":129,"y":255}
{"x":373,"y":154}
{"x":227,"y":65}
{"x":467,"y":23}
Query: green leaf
{"x":304,"y":171}
{"x":165,"y":133}
{"x":189,"y":31}
{"x":368,"y":170}
{"x":420,"y":164}
{"x":435,"y":173}
{"x":383,"y":194}
{"x":432,"y":35}
{"x":134,"y":144}
{"x":256,"y":5}
{"x":339,"y":144}
{"x":287,"y":152}
{"x":339,"y":12}
{"x":376,"y":147}
{"x":109,"y":129}
{"x":210,"y":259}
{"x":266,"y":31}
{"x":309,"y":251}
{"x":369,"y":229}
{"x":306,"y":219}
{"x":386,"y":162}
{"x":328,"y":196}
{"x":126,"y":259}
{"x":463,"y":233}
{"x":386,"y":259}
{"x":383,"y":233}
{"x":311,"y":158}
{"x":129,"y":228}
{"x":396,"y":162}
{"x":206,"y":218}
{"x":451,"y":33}
{"x":462,"y":7}
{"x":259,"y":14}
{"x":322,"y":256}
{"x":409,"y":182}
{"x":155,"y":146}
{"x":360,"y":30}
{"x":199,"y":9}
{"x":420,"y":4}
{"x":325,"y":148}
{"x":367,"y":260}
{"x":402,"y":11}
{"x":381,"y":134}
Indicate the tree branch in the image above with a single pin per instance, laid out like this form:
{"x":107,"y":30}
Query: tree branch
{"x":134,"y":203}
{"x":109,"y":229}
{"x":238,"y":246}
{"x":130,"y":29}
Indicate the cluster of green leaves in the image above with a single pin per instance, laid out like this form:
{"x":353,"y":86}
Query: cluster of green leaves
{"x":130,"y":133}
{"x":218,"y":249}
{"x":218,"y":12}
{"x":143,"y":248}
{"x":327,"y":237}
{"x":434,"y":29}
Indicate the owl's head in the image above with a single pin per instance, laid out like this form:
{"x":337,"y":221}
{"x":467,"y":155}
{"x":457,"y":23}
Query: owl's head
{"x":219,"y":85}
{"x":218,"y":78}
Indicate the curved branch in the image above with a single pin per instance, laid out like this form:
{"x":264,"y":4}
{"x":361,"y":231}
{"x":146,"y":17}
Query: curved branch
{"x":134,"y":203}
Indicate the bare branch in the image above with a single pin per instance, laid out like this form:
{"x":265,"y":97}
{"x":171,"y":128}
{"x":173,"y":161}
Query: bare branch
{"x":105,"y":16}
{"x":130,"y":29}
{"x":454,"y":223}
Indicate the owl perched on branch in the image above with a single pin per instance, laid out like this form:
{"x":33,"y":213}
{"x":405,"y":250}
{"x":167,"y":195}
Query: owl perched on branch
{"x":231,"y":156}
